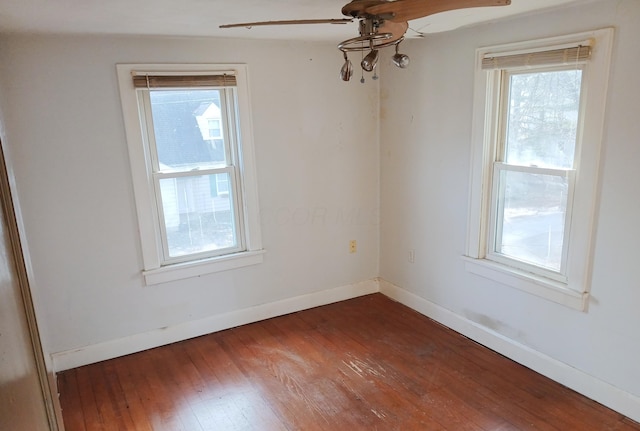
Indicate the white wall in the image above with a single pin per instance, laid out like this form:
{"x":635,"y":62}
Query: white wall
{"x":425,"y":159}
{"x":317,"y":160}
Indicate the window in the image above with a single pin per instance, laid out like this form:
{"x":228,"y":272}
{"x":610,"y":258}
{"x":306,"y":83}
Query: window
{"x":191,"y":155}
{"x":534,"y":168}
{"x":538,"y":115}
{"x":215,"y":129}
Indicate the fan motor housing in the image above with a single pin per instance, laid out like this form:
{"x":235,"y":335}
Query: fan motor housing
{"x":356,"y":8}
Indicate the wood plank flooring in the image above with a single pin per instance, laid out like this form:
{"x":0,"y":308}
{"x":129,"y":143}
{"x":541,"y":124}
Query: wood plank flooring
{"x":364,"y":364}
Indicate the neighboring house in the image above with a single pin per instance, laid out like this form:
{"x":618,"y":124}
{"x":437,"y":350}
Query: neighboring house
{"x":189,"y":134}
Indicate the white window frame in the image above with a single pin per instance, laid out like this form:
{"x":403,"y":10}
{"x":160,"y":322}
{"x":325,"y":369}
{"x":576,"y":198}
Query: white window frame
{"x":230,"y":169}
{"x":156,"y":268}
{"x":572,"y":287}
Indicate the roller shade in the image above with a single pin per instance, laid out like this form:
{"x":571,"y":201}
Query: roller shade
{"x":568,"y":55}
{"x":181,"y":81}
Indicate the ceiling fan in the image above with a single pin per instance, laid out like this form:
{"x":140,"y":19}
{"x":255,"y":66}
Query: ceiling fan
{"x":382,"y":23}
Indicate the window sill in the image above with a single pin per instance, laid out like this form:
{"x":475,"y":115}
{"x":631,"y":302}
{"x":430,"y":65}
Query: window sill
{"x":543,"y":287}
{"x":198,"y":268}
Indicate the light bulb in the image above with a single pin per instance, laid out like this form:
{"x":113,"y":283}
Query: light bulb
{"x":400,"y":60}
{"x":369,"y":62}
{"x":347,"y":69}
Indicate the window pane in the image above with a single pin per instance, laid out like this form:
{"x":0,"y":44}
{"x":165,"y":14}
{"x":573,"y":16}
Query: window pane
{"x":182,"y":123}
{"x":531,"y":218}
{"x":198,"y":214}
{"x":542,"y":121}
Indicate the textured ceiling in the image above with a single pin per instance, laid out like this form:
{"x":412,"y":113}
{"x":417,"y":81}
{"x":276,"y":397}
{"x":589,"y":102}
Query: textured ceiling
{"x":202,"y":17}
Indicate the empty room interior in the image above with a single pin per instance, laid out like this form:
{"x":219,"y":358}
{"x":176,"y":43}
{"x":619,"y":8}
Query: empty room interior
{"x":421,"y":217}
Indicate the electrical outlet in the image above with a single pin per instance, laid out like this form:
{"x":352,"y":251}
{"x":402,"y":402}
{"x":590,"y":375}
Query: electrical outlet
{"x":353,"y":246}
{"x":412,"y":256}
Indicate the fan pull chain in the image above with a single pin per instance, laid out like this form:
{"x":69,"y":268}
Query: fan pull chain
{"x":361,"y":69}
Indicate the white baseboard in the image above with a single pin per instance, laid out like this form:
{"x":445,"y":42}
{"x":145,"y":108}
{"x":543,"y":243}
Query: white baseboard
{"x":159,"y":337}
{"x":585,"y":384}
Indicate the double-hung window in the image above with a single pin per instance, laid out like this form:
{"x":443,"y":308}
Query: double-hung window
{"x":539,"y":110}
{"x":192,"y":162}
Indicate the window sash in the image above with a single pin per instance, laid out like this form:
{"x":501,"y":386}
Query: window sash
{"x":496,"y":220}
{"x":194,"y":173}
{"x":236,"y":209}
{"x":504,"y":99}
{"x":228,"y":122}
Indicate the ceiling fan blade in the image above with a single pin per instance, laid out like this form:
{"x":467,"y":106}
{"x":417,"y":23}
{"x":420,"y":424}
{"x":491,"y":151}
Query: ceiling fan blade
{"x":290,"y":22}
{"x":397,"y":29}
{"x":406,"y":10}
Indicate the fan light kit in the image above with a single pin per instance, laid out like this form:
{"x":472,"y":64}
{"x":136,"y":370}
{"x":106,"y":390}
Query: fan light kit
{"x":382,"y":23}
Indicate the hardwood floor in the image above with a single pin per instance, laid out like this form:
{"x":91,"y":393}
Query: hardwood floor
{"x":363,"y":364}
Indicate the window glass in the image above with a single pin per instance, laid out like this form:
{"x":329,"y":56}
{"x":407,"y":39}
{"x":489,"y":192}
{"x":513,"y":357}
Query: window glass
{"x":532,"y":210}
{"x":542,"y":118}
{"x":198,"y":216}
{"x":181,"y":125}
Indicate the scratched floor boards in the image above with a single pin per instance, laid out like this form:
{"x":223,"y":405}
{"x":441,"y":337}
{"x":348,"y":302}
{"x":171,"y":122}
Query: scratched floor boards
{"x":363,"y":364}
